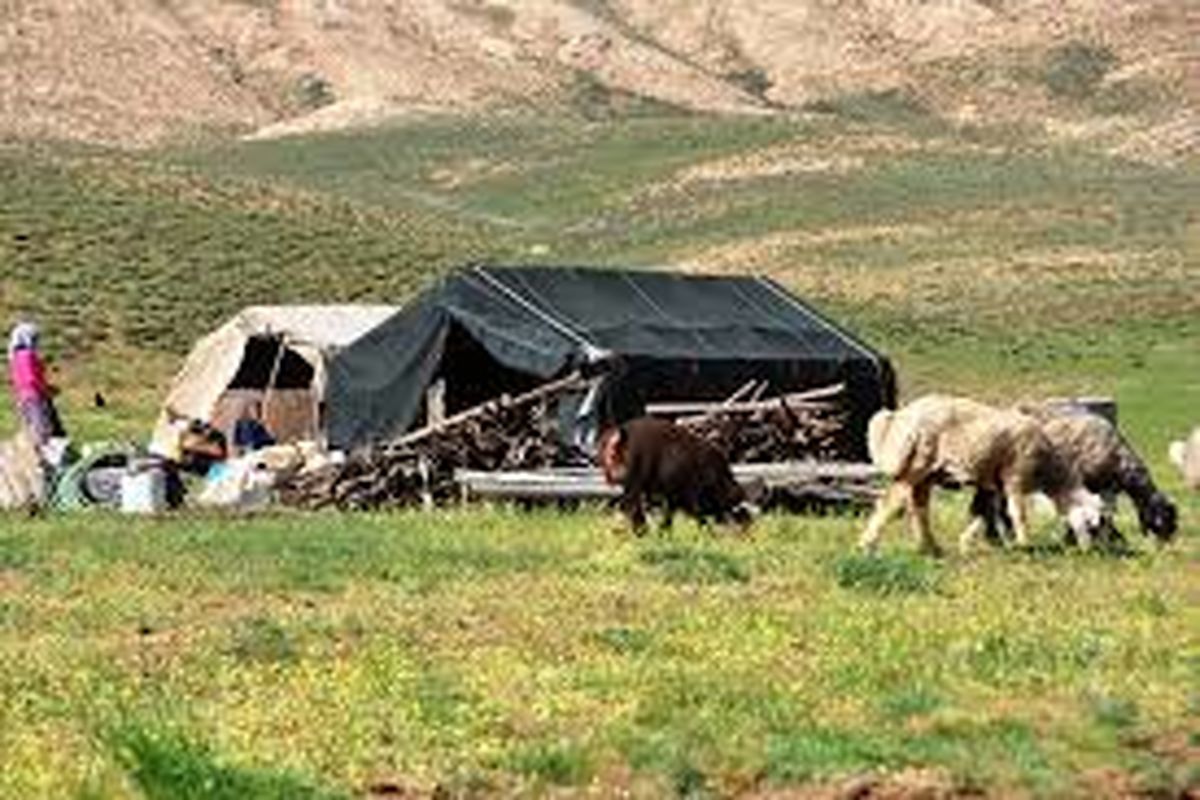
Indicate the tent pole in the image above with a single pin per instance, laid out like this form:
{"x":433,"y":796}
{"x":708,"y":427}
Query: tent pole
{"x":316,"y":430}
{"x":268,"y":392}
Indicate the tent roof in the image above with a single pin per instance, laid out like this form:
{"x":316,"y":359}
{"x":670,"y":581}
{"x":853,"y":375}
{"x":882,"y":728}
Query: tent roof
{"x":321,"y":326}
{"x":539,"y":320}
{"x":314,"y":330}
{"x":657,"y":314}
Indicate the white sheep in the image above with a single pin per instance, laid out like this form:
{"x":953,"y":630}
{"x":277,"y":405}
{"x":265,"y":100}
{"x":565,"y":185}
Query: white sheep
{"x":1185,"y":454}
{"x":941,"y":439}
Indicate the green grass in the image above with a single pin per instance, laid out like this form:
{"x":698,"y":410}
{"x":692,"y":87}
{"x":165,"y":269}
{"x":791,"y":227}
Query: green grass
{"x":108,"y":251}
{"x":494,"y":653}
{"x":885,"y":575}
{"x":983,"y":258}
{"x":499,"y":652}
{"x":170,"y":767}
{"x":688,"y":565}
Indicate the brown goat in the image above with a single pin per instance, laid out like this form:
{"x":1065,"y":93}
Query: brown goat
{"x":655,"y":460}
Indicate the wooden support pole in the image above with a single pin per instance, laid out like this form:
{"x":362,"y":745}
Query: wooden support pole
{"x":435,"y":402}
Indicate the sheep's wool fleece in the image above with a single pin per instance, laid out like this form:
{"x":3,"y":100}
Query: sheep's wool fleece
{"x":1186,"y":456}
{"x":955,"y":436}
{"x":1090,"y":441}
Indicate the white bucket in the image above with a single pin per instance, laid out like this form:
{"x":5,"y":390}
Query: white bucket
{"x":144,"y":492}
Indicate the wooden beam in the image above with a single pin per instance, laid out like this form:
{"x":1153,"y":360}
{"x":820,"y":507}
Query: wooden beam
{"x":435,"y":402}
{"x":812,"y":397}
{"x":577,"y":483}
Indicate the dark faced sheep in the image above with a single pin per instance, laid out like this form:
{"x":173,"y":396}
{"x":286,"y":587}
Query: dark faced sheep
{"x":940,"y":439}
{"x":657,"y":461}
{"x":1107,"y":464}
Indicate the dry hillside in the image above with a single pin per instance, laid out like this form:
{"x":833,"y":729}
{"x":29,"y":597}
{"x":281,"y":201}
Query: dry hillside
{"x":137,"y":72}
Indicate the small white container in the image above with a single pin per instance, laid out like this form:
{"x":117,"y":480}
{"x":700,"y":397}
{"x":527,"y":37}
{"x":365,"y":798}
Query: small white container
{"x":144,"y":492}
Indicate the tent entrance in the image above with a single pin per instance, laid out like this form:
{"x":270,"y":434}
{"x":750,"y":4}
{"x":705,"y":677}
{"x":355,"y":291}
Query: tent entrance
{"x":472,"y":376}
{"x":281,"y":379}
{"x":267,"y":361}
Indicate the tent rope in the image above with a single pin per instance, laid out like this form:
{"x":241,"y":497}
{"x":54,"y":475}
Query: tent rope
{"x":593,"y":351}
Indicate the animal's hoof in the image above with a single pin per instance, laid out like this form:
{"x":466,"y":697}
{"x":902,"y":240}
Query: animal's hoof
{"x":620,"y":526}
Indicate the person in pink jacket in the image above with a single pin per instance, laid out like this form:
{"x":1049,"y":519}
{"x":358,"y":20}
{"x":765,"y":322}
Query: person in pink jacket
{"x":32,"y":392}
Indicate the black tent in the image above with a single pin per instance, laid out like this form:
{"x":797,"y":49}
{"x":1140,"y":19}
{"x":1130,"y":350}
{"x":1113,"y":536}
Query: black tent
{"x":486,"y":330}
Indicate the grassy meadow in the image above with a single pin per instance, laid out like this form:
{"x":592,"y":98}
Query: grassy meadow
{"x":491,"y":652}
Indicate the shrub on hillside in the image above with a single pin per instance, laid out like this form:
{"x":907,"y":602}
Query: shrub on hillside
{"x":882,"y":106}
{"x":1076,"y":69}
{"x":754,"y":81}
{"x":314,"y":91}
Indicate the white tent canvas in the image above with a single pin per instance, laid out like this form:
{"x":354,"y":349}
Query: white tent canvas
{"x":275,"y":354}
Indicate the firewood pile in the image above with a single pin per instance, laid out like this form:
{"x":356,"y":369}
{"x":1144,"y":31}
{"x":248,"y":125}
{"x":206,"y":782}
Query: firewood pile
{"x":798,"y":426}
{"x":502,"y":434}
{"x":521,"y":433}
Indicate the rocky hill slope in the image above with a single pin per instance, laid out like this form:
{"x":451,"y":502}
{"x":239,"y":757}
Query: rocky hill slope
{"x":141,"y":72}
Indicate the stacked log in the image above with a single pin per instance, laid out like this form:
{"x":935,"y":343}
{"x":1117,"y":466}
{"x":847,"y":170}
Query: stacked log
{"x":503,"y":434}
{"x":521,"y":433}
{"x":798,"y":426}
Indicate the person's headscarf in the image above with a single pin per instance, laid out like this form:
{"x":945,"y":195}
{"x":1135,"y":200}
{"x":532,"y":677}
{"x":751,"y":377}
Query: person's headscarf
{"x":24,"y":336}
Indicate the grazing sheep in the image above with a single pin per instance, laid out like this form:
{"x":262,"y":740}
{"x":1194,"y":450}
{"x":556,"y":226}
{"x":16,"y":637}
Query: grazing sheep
{"x":939,"y":439}
{"x":1106,"y":463}
{"x":657,"y":460}
{"x":1186,"y":456}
